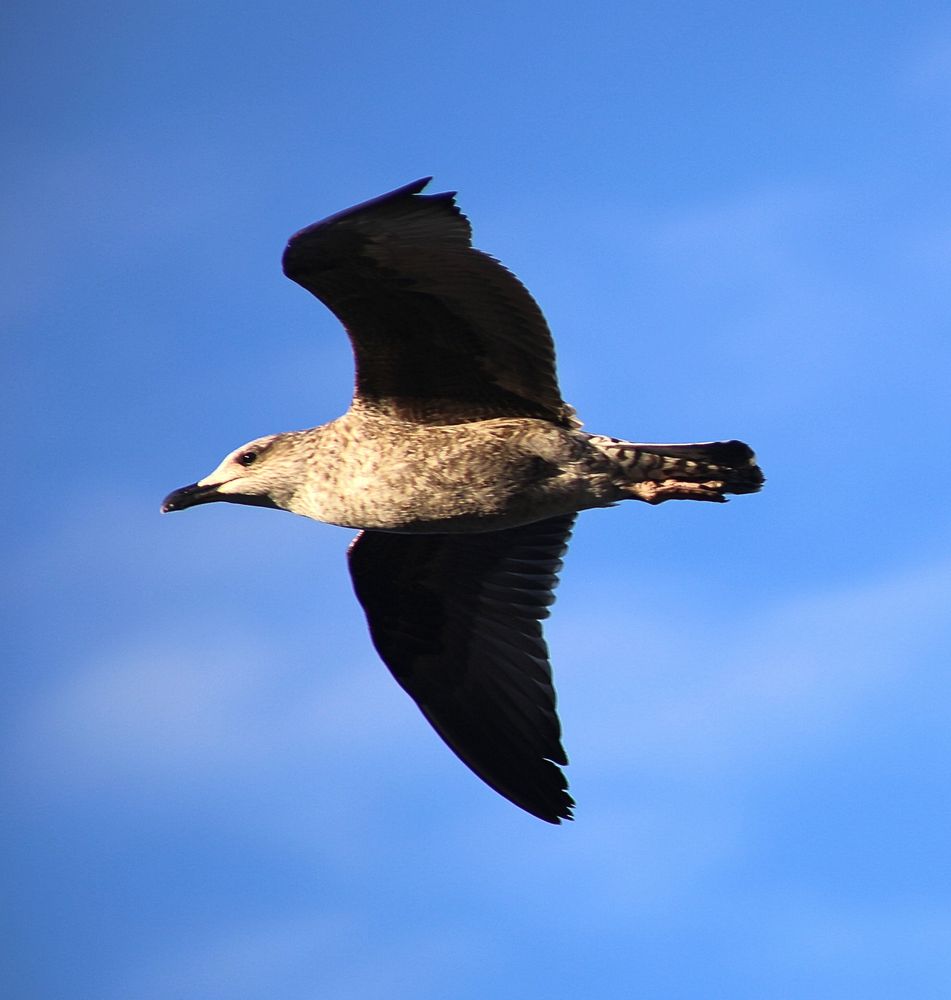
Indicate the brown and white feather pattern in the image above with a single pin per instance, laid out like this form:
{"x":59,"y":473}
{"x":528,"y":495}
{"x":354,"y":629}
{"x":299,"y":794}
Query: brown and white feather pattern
{"x":729,"y":464}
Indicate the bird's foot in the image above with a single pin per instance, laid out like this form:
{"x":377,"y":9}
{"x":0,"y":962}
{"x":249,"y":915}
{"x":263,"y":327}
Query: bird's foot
{"x":670,"y":489}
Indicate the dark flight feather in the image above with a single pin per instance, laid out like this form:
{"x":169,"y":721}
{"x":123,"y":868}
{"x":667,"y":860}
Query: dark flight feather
{"x":457,"y":619}
{"x":441,"y":333}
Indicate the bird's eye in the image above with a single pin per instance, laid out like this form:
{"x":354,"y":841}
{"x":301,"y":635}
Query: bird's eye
{"x":247,"y":458}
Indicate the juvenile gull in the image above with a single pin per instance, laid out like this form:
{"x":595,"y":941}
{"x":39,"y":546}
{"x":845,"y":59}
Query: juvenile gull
{"x":464,"y":469}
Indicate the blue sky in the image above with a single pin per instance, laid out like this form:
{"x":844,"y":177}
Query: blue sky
{"x":737,"y":218}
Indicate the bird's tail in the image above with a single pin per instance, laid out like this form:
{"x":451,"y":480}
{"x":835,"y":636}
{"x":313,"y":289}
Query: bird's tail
{"x":706,"y":471}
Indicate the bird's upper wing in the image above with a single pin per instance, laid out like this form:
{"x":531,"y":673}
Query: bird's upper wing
{"x":457,"y":619}
{"x":441,"y":332}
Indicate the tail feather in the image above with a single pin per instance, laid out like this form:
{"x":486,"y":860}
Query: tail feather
{"x":703,"y":471}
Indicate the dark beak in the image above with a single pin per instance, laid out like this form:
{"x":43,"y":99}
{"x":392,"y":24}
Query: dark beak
{"x":190,"y":496}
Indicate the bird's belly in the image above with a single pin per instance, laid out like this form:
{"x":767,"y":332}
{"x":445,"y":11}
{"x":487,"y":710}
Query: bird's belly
{"x":448,"y":482}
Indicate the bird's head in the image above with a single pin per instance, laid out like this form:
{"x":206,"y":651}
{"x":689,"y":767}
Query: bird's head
{"x":255,"y":474}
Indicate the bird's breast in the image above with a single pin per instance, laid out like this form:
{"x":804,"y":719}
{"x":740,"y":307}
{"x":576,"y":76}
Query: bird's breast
{"x":483,"y":476}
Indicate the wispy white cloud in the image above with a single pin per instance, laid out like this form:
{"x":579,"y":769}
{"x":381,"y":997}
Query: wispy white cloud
{"x":300,"y":957}
{"x":784,"y":314}
{"x":725,"y":695}
{"x":178,"y":712}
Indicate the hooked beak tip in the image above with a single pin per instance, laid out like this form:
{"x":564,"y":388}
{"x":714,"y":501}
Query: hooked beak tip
{"x":188,"y":496}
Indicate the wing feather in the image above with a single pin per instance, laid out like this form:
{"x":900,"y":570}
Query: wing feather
{"x":441,"y":332}
{"x":457,"y":619}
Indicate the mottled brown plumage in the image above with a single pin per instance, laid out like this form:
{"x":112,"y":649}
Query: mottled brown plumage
{"x":464,"y":469}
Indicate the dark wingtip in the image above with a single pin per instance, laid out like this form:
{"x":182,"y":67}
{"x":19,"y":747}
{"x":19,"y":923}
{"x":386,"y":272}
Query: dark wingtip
{"x":416,"y":186}
{"x":563,"y":814}
{"x":304,"y":245}
{"x":566,"y":813}
{"x":407,"y":190}
{"x":548,"y":799}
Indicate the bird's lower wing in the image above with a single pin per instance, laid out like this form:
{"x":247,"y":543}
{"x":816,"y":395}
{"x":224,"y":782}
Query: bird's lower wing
{"x":457,"y":619}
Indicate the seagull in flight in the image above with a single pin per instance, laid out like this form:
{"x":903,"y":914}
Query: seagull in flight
{"x":463,"y":469}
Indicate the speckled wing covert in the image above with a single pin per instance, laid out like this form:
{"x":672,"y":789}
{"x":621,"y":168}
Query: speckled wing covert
{"x":457,"y":619}
{"x":441,"y":332}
